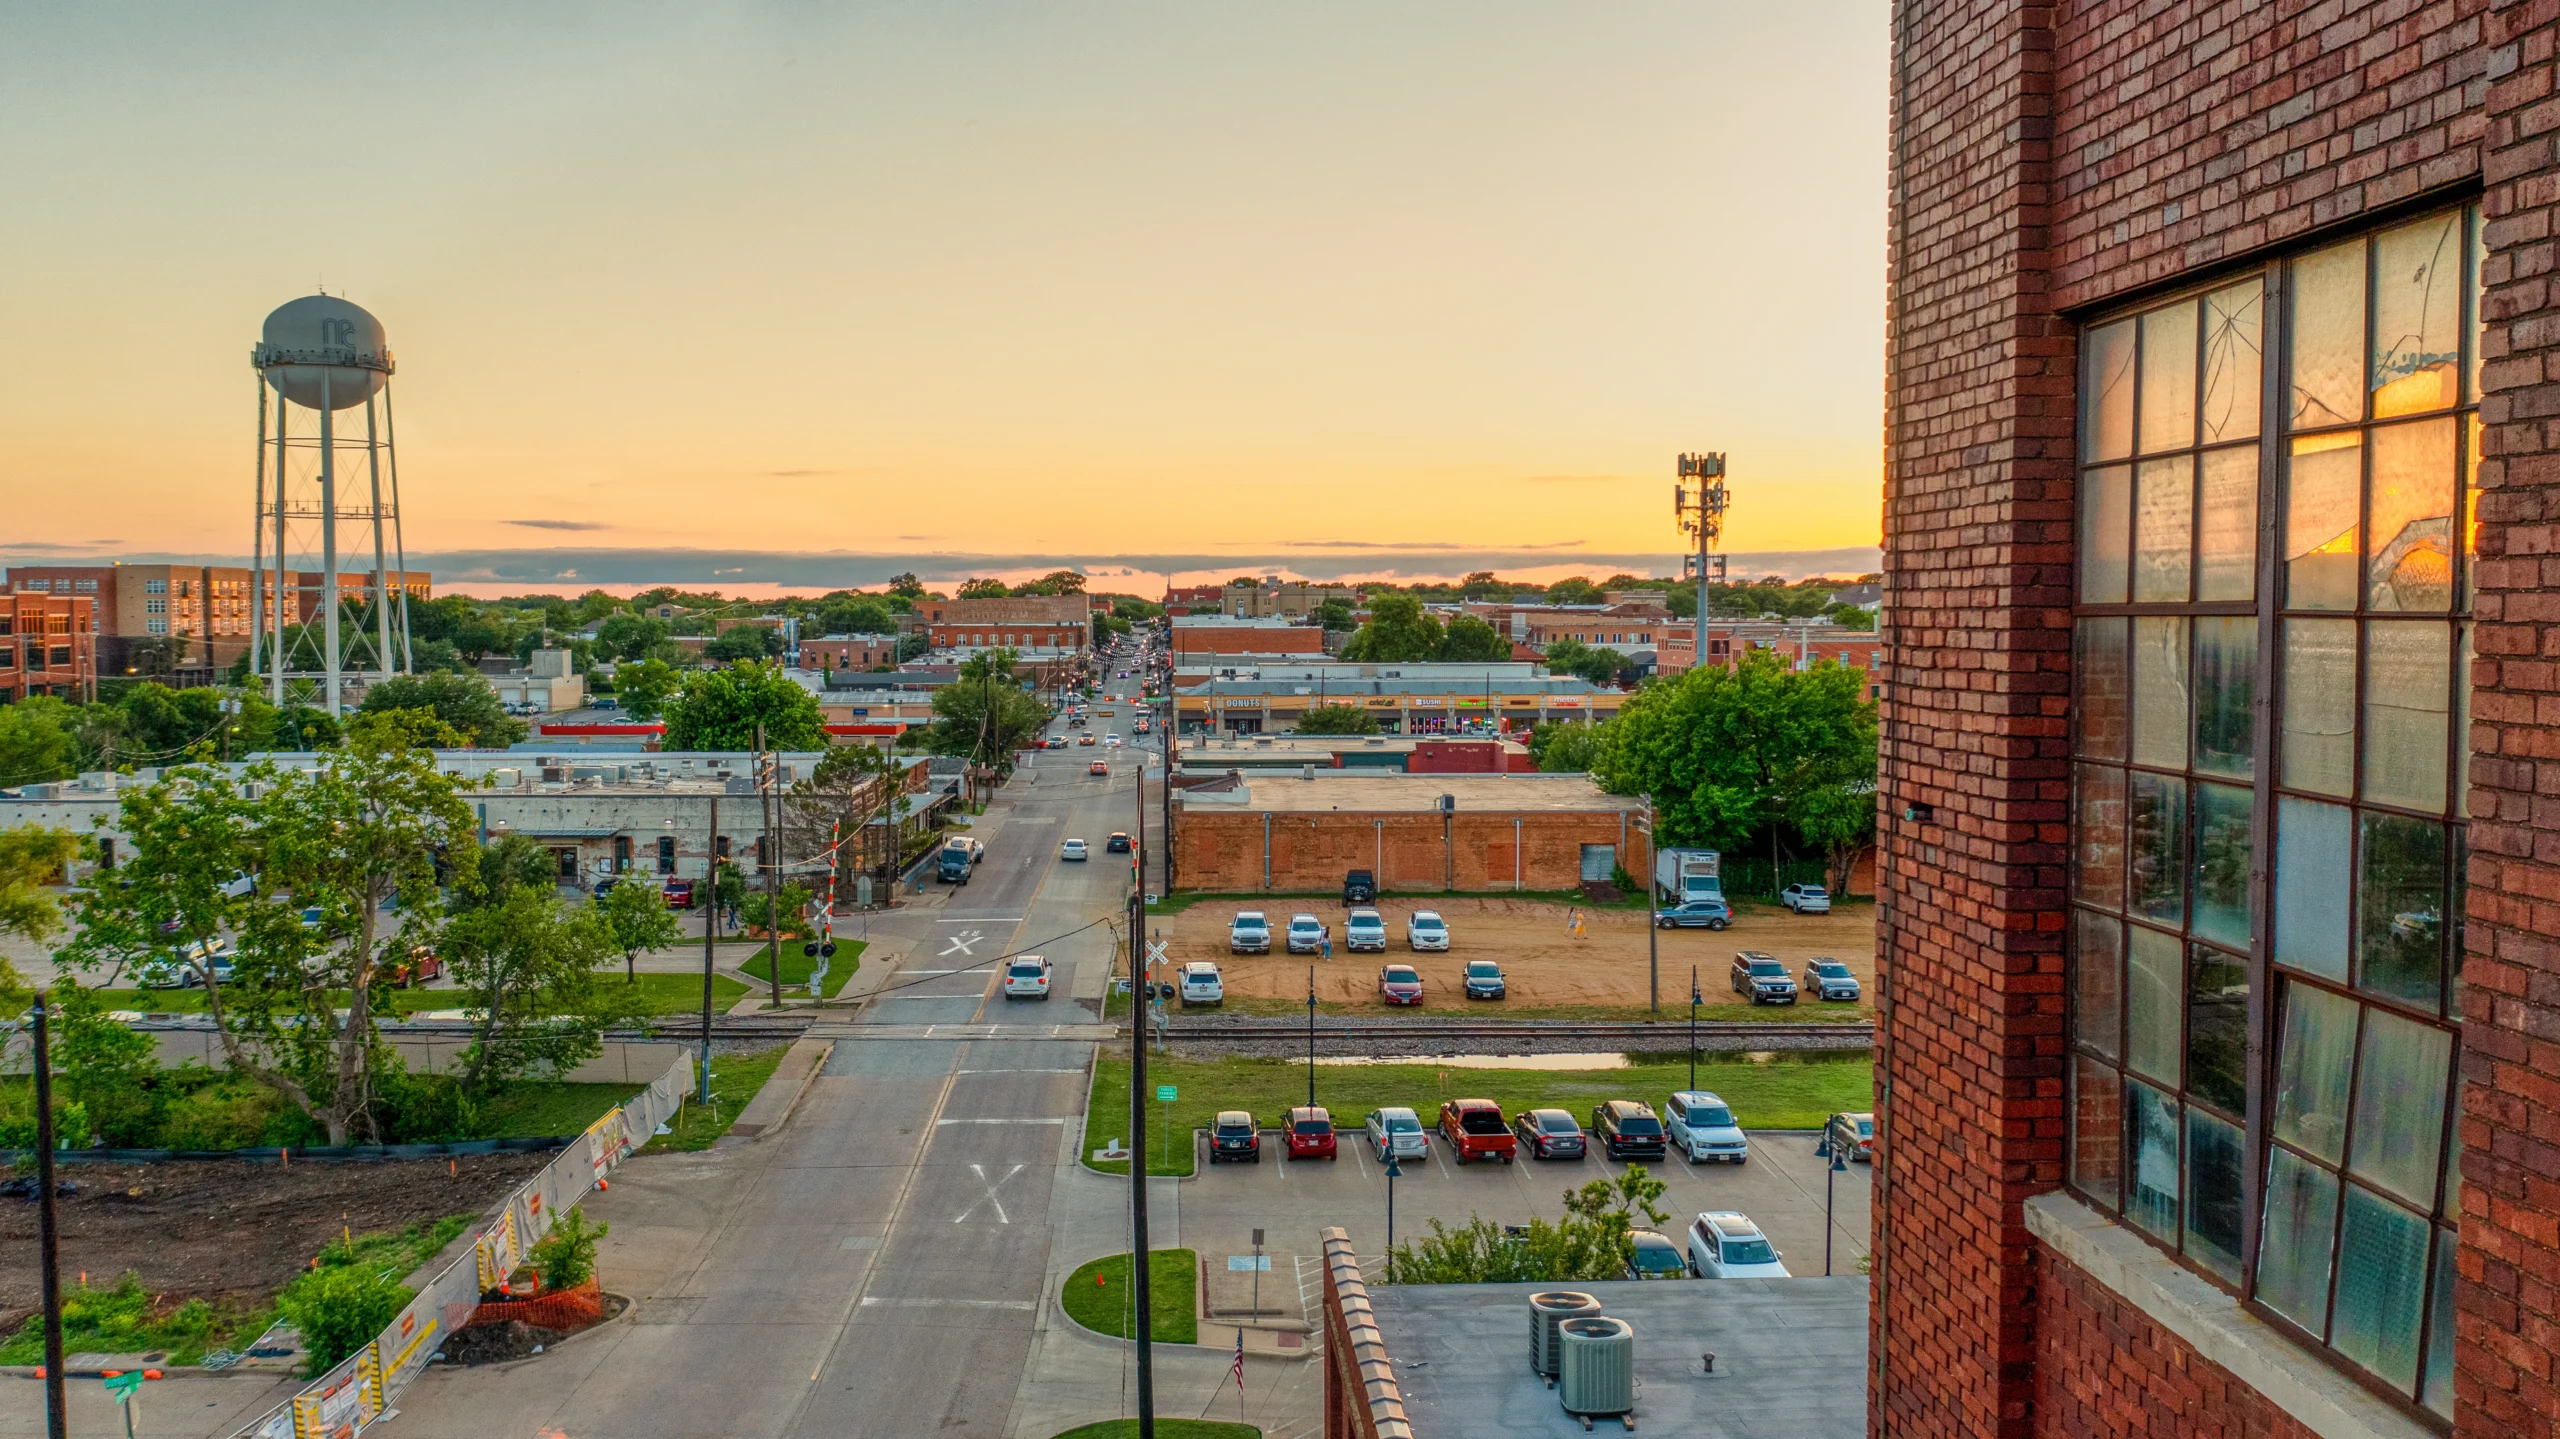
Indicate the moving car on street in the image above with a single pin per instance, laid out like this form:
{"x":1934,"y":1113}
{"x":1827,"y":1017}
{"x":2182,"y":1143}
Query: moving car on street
{"x":1425,"y":930}
{"x":1249,"y":933}
{"x":1117,"y":844}
{"x":1806,"y":898}
{"x":1098,"y":767}
{"x":1026,"y":976}
{"x":1232,"y":1136}
{"x":1400,"y":984}
{"x":1696,"y":914}
{"x":1702,"y":1128}
{"x":1397,"y":1130}
{"x":1830,"y":979}
{"x":1549,"y":1134}
{"x":1724,"y":1244}
{"x":1475,"y":1130}
{"x":1072,"y":849}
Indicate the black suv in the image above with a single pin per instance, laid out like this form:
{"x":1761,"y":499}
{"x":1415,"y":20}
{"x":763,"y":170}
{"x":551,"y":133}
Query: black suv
{"x":1359,"y":887}
{"x":1627,"y":1128}
{"x":1232,"y":1135}
{"x":1762,"y":978}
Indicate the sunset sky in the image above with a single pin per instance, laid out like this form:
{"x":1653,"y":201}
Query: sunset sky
{"x":1170,"y":287}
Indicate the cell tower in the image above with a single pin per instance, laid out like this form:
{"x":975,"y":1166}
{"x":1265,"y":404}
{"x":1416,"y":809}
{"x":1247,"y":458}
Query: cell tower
{"x":322,"y":356}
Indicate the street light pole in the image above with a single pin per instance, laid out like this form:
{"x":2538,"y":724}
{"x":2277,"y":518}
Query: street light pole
{"x":1652,"y":926}
{"x":1392,"y":1173}
{"x":1839,"y":1165}
{"x":57,"y":1416}
{"x":1311,"y":1036}
{"x":709,"y":903}
{"x":1694,"y":997}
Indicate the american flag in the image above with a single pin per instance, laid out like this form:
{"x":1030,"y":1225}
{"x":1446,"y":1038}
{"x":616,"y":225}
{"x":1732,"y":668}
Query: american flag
{"x":1238,"y":1368}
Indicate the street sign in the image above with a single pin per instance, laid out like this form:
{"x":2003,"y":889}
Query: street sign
{"x":121,"y":1387}
{"x":1164,"y":1094}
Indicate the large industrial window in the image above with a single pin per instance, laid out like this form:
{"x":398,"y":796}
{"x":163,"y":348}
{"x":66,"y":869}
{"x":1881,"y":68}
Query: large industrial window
{"x":2271,"y":665}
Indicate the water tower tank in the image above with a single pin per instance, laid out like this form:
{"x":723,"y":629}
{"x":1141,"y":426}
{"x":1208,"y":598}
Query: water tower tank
{"x":323,"y":342}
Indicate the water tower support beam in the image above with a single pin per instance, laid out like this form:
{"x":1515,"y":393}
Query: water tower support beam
{"x":382,"y":660}
{"x":399,"y":543}
{"x":336,"y":683}
{"x":258,"y":539}
{"x":275,"y":656}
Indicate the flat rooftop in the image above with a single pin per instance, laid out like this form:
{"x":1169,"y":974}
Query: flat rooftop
{"x":1790,"y":1357}
{"x":1370,"y":792}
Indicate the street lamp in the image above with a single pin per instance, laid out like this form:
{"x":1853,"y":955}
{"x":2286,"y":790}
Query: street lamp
{"x":1694,"y":1000}
{"x":1311,"y":1036}
{"x":1839,"y":1165}
{"x":1392,"y":1173}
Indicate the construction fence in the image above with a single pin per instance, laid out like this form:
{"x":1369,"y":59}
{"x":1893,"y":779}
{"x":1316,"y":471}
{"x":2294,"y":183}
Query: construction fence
{"x":342,"y":1402}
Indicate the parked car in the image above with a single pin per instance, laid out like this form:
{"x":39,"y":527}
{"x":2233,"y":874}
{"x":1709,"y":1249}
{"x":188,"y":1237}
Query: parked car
{"x":1806,"y":898}
{"x":1485,"y":981}
{"x":1627,"y":1127}
{"x":1548,"y":1134}
{"x":1232,"y":1136}
{"x":1365,"y":929}
{"x":1117,"y":844}
{"x":1201,"y":984}
{"x":419,"y":966}
{"x":185,"y":966}
{"x":1760,"y":978}
{"x":605,"y":886}
{"x":1425,"y":930}
{"x":1072,"y":849}
{"x":679,"y":893}
{"x":1397,"y":1130}
{"x":1249,"y":933}
{"x":1830,"y":979}
{"x":1703,"y":1128}
{"x":1026,"y":976}
{"x":1311,"y":1133}
{"x":1695,"y":914}
{"x":1656,"y":1258}
{"x":1727,"y":1245}
{"x":1098,"y":767}
{"x":1359,"y":887}
{"x":1400,"y":984}
{"x":1851,"y":1135}
{"x":1306,"y":934}
{"x":1475,"y":1130}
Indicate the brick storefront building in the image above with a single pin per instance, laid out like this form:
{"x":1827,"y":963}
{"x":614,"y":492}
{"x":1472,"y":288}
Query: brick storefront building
{"x":48,"y":645}
{"x":2216,"y":1081}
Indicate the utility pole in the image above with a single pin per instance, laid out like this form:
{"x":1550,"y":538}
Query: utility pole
{"x":57,"y":1417}
{"x":1702,"y":517}
{"x":710,"y":905}
{"x":1141,"y":1267}
{"x":1652,"y":926}
{"x":768,"y":798}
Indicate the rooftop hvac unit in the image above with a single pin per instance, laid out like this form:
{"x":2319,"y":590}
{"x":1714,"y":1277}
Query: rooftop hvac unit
{"x":1546,"y":1311}
{"x":1596,"y":1372}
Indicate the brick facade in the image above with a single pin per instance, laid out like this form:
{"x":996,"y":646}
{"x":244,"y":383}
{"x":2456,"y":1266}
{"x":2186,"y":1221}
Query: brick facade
{"x":48,"y":646}
{"x":1224,"y":850}
{"x":2048,"y":160}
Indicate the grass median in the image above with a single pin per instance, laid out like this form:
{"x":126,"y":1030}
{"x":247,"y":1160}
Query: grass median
{"x":797,"y":967}
{"x":1783,"y":1094}
{"x":735,"y":1079}
{"x":1173,"y":1277}
{"x":650,"y":995}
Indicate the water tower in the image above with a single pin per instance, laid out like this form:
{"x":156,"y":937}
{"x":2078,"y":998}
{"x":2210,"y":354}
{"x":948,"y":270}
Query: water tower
{"x":322,"y":358}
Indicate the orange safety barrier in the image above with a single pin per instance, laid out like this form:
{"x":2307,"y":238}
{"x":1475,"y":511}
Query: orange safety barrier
{"x":562,"y":1309}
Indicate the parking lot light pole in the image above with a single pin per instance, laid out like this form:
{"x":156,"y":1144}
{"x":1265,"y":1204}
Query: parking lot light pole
{"x":709,"y":903}
{"x":1311,"y":1036}
{"x":1392,"y":1173}
{"x":57,"y":1417}
{"x":1839,"y":1165}
{"x":1141,"y":1264}
{"x":1694,"y":998}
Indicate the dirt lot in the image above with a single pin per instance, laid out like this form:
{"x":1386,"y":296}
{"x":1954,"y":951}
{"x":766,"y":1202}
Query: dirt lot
{"x":1547,"y":967}
{"x":230,"y":1232}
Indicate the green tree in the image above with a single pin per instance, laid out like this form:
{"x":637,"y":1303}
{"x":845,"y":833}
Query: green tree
{"x":849,"y":799}
{"x":641,"y":687}
{"x":1578,"y":590}
{"x":719,"y":709}
{"x":744,"y":642}
{"x":854,"y":615}
{"x":301,"y":727}
{"x":1485,"y":585}
{"x":637,"y":918}
{"x":464,"y":702}
{"x":1398,"y":631}
{"x":1840,"y":821}
{"x":1568,"y":746}
{"x":527,"y":964}
{"x":1337,"y":719}
{"x":1471,"y":641}
{"x":594,"y":605}
{"x":509,"y":863}
{"x":906,"y":583}
{"x":629,"y":636}
{"x":982,"y":590}
{"x":32,"y":860}
{"x":333,"y":848}
{"x":986,"y":714}
{"x":1729,"y":755}
{"x":109,"y":1069}
{"x":1594,"y":1239}
{"x":1599,"y":666}
{"x":36,"y":742}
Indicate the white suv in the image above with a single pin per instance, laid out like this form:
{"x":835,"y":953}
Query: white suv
{"x":1250,"y":933}
{"x":1026,"y":976}
{"x":1426,"y":930}
{"x":1806,"y":898}
{"x":1306,"y":934}
{"x":1727,"y":1245}
{"x":1701,"y":1126}
{"x":1201,"y":984}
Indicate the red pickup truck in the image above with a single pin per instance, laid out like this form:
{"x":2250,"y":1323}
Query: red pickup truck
{"x":1476,"y":1129}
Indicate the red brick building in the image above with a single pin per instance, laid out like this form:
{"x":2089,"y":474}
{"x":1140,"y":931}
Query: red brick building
{"x":2216,"y":1081}
{"x":1210,"y":636}
{"x":1415,"y":832}
{"x":1037,"y":626}
{"x":849,"y":652}
{"x":48,"y":645}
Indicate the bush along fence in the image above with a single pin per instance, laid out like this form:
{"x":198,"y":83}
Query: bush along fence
{"x":363,"y":1386}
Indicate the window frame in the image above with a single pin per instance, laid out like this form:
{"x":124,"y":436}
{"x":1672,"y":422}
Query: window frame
{"x":2271,"y":608}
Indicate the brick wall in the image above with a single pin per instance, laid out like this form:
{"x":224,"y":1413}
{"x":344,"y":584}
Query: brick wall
{"x":2047,"y":159}
{"x":1223,"y":850}
{"x":2103,"y":1370}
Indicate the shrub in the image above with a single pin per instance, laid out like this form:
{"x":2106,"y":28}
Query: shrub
{"x":224,"y":1116}
{"x":566,"y":1257}
{"x":338,"y":1309}
{"x":70,"y":1126}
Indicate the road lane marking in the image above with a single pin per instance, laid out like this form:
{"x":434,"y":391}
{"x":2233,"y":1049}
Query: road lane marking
{"x":888,"y":1226}
{"x":965,"y":942}
{"x":1027,"y":1119}
{"x":984,"y":919}
{"x":1078,"y":1070}
{"x":876,"y":1302}
{"x":989,"y":1198}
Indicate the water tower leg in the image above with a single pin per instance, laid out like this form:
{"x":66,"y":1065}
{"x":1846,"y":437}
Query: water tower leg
{"x":275,"y":654}
{"x":258,"y":541}
{"x":399,"y":544}
{"x":382,"y":658}
{"x":329,"y":549}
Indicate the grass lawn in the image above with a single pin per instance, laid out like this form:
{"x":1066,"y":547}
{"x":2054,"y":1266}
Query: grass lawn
{"x":534,"y":1109}
{"x":1788,"y":1094}
{"x":735,"y":1078}
{"x":797,"y":966}
{"x":1173,"y":1277}
{"x":656,"y":994}
{"x":1166,"y":1430}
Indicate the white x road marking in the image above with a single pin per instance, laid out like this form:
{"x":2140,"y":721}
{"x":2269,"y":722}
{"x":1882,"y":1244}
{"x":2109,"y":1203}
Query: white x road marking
{"x":965,"y":942}
{"x":989,"y":1198}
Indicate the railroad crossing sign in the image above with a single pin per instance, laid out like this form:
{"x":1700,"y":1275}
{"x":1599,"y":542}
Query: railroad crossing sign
{"x":1156,"y":951}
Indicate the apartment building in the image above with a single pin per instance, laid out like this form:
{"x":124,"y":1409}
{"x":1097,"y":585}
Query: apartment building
{"x":1286,"y":599}
{"x":2215,"y":1077}
{"x":849,"y":652}
{"x":187,"y":622}
{"x":48,"y":645}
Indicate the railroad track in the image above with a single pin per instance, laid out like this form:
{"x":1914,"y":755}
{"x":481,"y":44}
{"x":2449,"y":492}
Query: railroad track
{"x":1726,"y":1034}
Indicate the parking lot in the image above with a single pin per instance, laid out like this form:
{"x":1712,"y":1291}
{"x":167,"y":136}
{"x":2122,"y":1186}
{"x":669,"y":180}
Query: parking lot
{"x":1781,"y":1188}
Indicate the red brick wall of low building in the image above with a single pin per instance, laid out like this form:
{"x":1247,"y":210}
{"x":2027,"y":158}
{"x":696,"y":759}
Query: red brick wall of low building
{"x":1220,"y":850}
{"x":2103,"y":1370}
{"x":1246,"y":640}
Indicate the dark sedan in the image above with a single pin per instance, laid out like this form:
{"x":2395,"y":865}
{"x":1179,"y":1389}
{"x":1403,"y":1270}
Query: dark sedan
{"x":1549,"y":1134}
{"x":1232,"y":1135}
